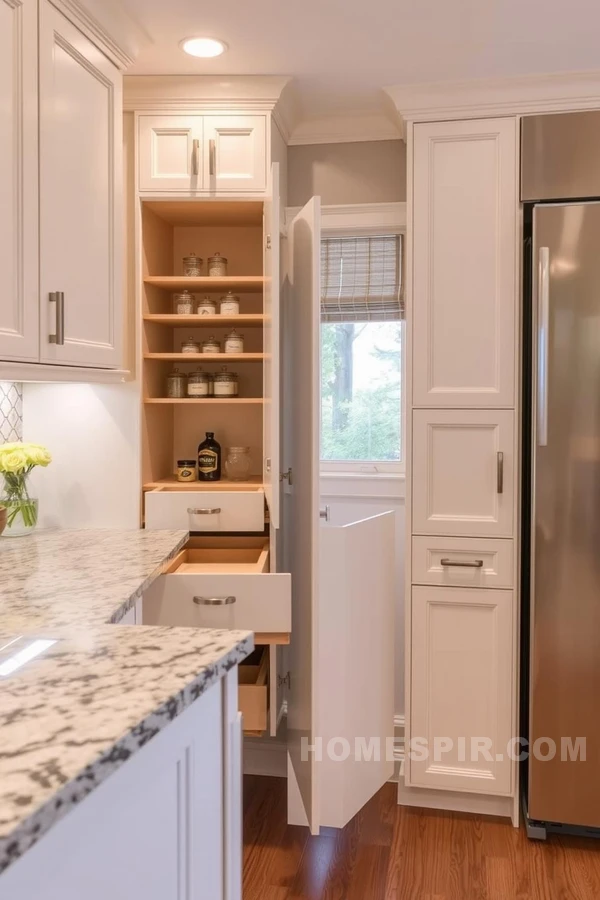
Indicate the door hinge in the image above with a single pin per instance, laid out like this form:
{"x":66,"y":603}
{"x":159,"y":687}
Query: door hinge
{"x":268,"y":242}
{"x":287,"y":476}
{"x":284,"y":681}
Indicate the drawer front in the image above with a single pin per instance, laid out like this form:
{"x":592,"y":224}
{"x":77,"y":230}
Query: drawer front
{"x":463,"y":562}
{"x":206,"y":510}
{"x":260,"y":603}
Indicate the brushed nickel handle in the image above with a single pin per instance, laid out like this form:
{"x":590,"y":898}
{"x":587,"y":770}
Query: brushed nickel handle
{"x":543,"y":337}
{"x":214,"y":601}
{"x":58,"y":337}
{"x":212,"y":157}
{"x":195,"y":154}
{"x":500,"y":472}
{"x":466,"y":564}
{"x":203,"y":511}
{"x":325,"y":513}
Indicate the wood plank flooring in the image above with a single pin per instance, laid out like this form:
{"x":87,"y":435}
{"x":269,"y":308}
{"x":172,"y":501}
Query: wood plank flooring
{"x":390,"y":852}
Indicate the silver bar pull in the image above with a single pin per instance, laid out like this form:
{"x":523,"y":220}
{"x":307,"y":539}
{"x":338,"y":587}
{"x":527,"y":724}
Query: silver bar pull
{"x":212,"y":157}
{"x":499,"y":472}
{"x":204,"y":510}
{"x":58,"y":337}
{"x":325,"y":513}
{"x":195,"y":155}
{"x":214,"y":601}
{"x":466,"y":564}
{"x":542,"y":350}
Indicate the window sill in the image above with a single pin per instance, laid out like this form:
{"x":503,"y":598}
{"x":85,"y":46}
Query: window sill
{"x":358,"y":485}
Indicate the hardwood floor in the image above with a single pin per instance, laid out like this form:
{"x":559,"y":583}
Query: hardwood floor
{"x":390,"y":852}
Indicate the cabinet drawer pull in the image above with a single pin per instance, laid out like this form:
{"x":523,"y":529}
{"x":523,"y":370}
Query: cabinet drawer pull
{"x":467,"y":564}
{"x":195,"y":152}
{"x":500,"y":472}
{"x":204,"y":510}
{"x":212,"y":157}
{"x":58,"y":337}
{"x":214,"y":601}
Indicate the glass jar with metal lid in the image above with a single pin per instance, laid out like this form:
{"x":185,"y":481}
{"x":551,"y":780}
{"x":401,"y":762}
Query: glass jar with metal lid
{"x":183,"y":304}
{"x":176,"y":384}
{"x":192,"y":265}
{"x":234,"y":342}
{"x":211,"y":345}
{"x":229,"y":304}
{"x":198,"y":384}
{"x":225,"y":384}
{"x":190,"y":346}
{"x":206,"y":307}
{"x":238,"y":463}
{"x":217,"y":266}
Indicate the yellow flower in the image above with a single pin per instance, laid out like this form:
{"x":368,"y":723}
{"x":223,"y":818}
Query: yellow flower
{"x":16,"y":456}
{"x":37,"y":455}
{"x":12,"y":461}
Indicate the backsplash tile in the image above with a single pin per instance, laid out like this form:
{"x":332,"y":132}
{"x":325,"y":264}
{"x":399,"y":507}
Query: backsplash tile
{"x":11,"y":412}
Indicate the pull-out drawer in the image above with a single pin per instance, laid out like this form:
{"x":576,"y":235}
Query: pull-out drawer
{"x":463,"y":562}
{"x":253,"y":690}
{"x":210,"y":510}
{"x":221,"y":583}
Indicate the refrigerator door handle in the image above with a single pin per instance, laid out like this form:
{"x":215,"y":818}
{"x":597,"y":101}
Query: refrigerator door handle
{"x":543,"y":286}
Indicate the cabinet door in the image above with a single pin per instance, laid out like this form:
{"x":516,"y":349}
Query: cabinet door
{"x":271,"y":392}
{"x":171,"y":156}
{"x":236,"y":153}
{"x":464,"y":263}
{"x":80,"y":198}
{"x":463,"y":464}
{"x":461,"y":690}
{"x":19,"y":306}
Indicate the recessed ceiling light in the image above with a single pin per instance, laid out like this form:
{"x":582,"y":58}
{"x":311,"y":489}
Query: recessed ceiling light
{"x":203,"y":46}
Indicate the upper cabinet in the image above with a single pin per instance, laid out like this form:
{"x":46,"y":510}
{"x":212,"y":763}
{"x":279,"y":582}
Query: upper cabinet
{"x":465,"y":263}
{"x":203,"y":155}
{"x":80,"y":198}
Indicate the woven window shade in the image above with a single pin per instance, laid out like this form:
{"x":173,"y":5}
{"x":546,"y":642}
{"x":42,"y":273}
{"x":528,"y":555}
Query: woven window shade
{"x":361,"y":279}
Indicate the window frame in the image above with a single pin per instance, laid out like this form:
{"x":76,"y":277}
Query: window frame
{"x":366,"y":220}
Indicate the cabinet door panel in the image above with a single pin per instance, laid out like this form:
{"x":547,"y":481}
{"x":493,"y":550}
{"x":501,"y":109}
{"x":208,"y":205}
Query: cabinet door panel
{"x":464,"y":264}
{"x":80,"y":196}
{"x":236,"y":153}
{"x":19,"y":306}
{"x":461,"y":485}
{"x":461,"y":689}
{"x":170,"y":153}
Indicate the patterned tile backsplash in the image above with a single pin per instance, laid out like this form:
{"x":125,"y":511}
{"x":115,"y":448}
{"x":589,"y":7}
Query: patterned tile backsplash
{"x":11,"y":412}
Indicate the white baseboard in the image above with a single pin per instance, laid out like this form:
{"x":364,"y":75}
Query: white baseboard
{"x":454,"y":801}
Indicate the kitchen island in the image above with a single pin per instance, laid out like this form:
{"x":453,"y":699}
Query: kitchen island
{"x":154,"y":708}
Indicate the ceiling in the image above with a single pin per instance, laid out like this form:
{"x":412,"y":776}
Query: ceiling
{"x":341,"y":53}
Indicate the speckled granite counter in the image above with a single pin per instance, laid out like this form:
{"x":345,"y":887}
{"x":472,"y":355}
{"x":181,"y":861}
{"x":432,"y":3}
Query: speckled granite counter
{"x":74,"y":714}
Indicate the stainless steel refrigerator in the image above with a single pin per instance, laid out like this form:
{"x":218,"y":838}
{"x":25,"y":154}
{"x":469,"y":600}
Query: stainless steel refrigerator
{"x":560,"y":186}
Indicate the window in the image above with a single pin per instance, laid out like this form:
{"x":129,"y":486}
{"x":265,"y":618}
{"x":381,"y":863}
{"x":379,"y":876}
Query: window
{"x":361,"y":362}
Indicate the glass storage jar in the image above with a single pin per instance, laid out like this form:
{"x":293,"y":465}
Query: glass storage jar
{"x":176,"y":384}
{"x":229,"y":305}
{"x":192,"y":265}
{"x":234,"y":342}
{"x":217,"y":266}
{"x":186,"y":470}
{"x":225,"y":384}
{"x":238,"y":463}
{"x":211,"y":345}
{"x":190,"y":346}
{"x":183,"y":304}
{"x":206,"y":307}
{"x":198,"y":384}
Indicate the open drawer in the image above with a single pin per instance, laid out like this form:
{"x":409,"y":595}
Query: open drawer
{"x":253,"y":690}
{"x":222,"y":583}
{"x":200,"y":510}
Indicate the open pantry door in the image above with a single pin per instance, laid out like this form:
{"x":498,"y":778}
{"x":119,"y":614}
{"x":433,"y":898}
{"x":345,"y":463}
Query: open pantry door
{"x":301,"y":410}
{"x":271,"y":346}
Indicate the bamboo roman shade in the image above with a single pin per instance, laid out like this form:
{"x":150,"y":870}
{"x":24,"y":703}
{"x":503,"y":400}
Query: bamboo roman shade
{"x":361,"y":279}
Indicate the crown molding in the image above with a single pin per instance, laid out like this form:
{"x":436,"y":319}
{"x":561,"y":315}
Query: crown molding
{"x":497,"y":96}
{"x":109,"y":26}
{"x":173,"y":93}
{"x":352,"y":128}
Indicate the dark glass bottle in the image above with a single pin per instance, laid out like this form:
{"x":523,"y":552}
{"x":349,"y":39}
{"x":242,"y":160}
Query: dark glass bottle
{"x":209,"y":459}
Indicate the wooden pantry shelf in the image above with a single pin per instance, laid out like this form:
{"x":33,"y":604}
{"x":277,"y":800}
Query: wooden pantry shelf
{"x":247,"y":283}
{"x":208,"y":401}
{"x":171,"y":484}
{"x":207,"y":357}
{"x":253,"y":320}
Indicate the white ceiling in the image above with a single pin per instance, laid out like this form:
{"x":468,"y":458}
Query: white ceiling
{"x":341,"y":53}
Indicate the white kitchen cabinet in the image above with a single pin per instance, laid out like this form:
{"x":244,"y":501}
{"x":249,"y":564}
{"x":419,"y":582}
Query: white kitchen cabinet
{"x":462,"y":689}
{"x":464,"y":277}
{"x":462,"y":472}
{"x":81,"y":290}
{"x":214,"y":511}
{"x":463,"y":562}
{"x":236,"y":157}
{"x":171,"y":153}
{"x":19,"y":308}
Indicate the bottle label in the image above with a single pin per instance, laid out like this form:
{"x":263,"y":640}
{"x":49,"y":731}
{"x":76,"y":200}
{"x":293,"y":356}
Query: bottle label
{"x":207,"y":461}
{"x":197,"y":389}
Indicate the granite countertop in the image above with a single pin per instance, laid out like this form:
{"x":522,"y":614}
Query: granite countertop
{"x":75,"y":713}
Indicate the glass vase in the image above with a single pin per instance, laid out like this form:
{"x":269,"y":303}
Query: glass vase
{"x":21,"y":509}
